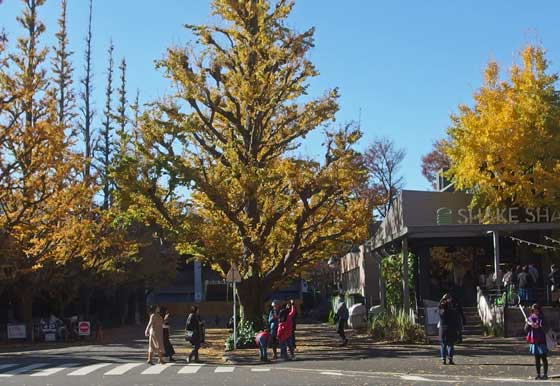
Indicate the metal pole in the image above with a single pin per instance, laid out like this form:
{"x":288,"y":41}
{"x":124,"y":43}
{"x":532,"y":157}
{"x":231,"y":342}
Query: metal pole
{"x":234,"y":316}
{"x":406,"y":291}
{"x":496,"y":238}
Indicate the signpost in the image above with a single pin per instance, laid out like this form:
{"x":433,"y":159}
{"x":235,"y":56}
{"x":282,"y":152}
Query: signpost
{"x":84,"y":329}
{"x":234,"y":277}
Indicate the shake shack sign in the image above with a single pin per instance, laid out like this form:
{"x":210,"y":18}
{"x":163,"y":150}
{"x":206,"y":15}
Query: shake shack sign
{"x":513,"y":215}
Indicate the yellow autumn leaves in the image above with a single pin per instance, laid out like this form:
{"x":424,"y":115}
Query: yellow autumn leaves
{"x":506,"y":147}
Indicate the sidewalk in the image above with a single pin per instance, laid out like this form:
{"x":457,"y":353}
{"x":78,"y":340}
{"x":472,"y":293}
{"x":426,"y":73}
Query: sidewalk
{"x":318,"y":347}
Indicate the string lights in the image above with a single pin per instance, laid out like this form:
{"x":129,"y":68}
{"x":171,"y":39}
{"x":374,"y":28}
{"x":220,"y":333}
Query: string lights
{"x":552,"y":240}
{"x":546,"y":247}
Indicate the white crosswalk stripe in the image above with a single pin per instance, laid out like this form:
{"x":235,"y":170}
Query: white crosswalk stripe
{"x":189,"y":369}
{"x":122,"y":369}
{"x":116,"y":369}
{"x":89,"y":369}
{"x":53,"y":370}
{"x":224,"y":369}
{"x":156,"y":369}
{"x":23,"y":370}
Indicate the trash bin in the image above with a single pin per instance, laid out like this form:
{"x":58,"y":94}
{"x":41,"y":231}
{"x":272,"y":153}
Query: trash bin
{"x":357,"y":316}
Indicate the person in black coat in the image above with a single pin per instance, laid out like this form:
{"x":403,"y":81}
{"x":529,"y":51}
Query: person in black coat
{"x":169,"y":350}
{"x":193,"y":333}
{"x":448,"y":328}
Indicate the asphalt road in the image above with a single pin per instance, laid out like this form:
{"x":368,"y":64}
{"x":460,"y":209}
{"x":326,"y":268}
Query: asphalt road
{"x":320,"y":362}
{"x":95,"y":365}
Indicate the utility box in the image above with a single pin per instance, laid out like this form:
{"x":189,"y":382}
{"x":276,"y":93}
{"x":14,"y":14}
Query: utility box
{"x":357,"y":316}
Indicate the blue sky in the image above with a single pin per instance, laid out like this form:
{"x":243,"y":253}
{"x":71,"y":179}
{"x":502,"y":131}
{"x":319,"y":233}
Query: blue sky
{"x":405,"y":65}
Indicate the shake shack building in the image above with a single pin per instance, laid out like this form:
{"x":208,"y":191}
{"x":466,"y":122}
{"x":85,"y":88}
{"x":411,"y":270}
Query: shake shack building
{"x":457,"y":248}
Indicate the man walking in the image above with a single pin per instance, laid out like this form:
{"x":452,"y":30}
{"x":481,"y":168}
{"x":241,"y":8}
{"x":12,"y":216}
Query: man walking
{"x":341,"y":318}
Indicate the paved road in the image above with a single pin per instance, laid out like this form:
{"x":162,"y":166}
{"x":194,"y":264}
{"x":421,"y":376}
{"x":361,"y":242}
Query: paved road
{"x":319,"y":362}
{"x":70,"y":368}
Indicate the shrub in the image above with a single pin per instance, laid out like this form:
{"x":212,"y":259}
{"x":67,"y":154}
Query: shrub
{"x":396,"y":326}
{"x":245,"y":336}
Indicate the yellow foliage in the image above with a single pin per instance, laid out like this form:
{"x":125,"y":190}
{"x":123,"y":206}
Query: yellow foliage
{"x":506,"y":148}
{"x":250,"y":201}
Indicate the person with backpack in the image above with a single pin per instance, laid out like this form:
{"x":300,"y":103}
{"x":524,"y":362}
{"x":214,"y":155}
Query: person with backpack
{"x":341,"y":317}
{"x":536,"y":337}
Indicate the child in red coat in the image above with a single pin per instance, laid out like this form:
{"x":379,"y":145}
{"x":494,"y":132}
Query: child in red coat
{"x":262,"y":338}
{"x":285,"y":328}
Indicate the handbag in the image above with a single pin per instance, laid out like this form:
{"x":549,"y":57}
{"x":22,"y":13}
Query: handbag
{"x":188,"y":335}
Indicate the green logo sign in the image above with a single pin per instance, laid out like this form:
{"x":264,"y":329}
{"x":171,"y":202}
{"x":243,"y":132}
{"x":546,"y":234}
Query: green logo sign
{"x":444,"y":216}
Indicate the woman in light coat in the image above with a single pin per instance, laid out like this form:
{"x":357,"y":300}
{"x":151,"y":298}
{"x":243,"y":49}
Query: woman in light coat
{"x":154,"y":332}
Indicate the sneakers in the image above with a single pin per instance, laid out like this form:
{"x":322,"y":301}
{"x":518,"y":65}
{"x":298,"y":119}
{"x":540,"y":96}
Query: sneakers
{"x":544,"y":377}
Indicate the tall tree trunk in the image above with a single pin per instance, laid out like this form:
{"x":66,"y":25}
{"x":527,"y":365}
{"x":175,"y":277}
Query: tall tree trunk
{"x":252,"y":296}
{"x":25,"y":309}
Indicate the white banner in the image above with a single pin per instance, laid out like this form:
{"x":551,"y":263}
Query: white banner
{"x":16,"y":331}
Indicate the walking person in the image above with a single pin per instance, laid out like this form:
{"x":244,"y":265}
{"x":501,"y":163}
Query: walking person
{"x":285,"y":326}
{"x":536,"y":337}
{"x":461,"y":321}
{"x":154,"y":332}
{"x":341,"y":317}
{"x":273,"y":318}
{"x":193,"y":334}
{"x":168,"y":347}
{"x":554,"y":282}
{"x":448,"y":328}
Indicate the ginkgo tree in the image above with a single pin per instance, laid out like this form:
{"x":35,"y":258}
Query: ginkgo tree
{"x":506,"y":147}
{"x":48,"y":226}
{"x":216,"y":159}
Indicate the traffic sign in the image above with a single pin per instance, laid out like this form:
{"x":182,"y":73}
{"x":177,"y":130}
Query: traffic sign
{"x":233,"y":275}
{"x":84,"y":328}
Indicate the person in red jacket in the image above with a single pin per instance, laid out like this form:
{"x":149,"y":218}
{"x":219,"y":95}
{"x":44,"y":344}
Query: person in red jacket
{"x":285,"y":327}
{"x":262,"y":338}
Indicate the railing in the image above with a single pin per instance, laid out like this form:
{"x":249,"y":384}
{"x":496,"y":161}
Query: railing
{"x":509,"y":296}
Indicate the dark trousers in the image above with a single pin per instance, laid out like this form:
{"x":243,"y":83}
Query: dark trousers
{"x":263,"y":343}
{"x":446,"y":350}
{"x":194,"y":352}
{"x":274,"y":346}
{"x":340,"y":325}
{"x":544,"y":359}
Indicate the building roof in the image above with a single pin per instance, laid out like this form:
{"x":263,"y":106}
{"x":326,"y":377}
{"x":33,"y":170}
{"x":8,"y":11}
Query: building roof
{"x":419,"y":214}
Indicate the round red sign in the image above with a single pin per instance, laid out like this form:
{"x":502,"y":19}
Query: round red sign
{"x":84,"y":327}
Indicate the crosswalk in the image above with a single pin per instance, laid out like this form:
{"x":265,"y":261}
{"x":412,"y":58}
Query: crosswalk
{"x":112,"y":369}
